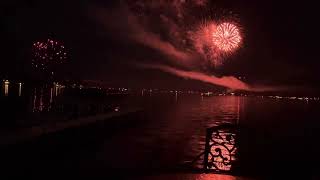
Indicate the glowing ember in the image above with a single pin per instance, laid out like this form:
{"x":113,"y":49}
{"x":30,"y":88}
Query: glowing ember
{"x":227,"y":37}
{"x":47,"y":54}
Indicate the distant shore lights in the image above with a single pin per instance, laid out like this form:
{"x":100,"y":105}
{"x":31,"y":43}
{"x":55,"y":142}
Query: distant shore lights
{"x":14,"y":87}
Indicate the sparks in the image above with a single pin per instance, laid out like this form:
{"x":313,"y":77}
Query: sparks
{"x":46,"y":54}
{"x":226,"y":37}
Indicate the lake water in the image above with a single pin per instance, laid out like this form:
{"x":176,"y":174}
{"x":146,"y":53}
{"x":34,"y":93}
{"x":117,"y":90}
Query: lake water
{"x":275,"y":133}
{"x":278,"y":134}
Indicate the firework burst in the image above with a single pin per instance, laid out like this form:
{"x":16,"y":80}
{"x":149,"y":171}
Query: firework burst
{"x":226,"y":37}
{"x":48,"y":54}
{"x":216,"y":42}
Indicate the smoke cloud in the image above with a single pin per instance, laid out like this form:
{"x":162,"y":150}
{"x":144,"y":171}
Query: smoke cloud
{"x":152,"y":40}
{"x":229,"y":82}
{"x":226,"y":81}
{"x":133,"y":28}
{"x":139,"y":28}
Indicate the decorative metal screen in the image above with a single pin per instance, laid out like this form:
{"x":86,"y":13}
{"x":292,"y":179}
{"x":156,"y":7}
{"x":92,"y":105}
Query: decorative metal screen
{"x":221,"y":148}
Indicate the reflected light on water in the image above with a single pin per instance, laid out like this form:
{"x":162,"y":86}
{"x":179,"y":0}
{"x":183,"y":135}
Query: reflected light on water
{"x":56,"y":88}
{"x":34,"y":100}
{"x":223,"y":150}
{"x":51,"y":95}
{"x":194,"y":177}
{"x":20,"y":88}
{"x":176,"y":96}
{"x":6,"y":87}
{"x":221,"y":109}
{"x":214,"y":177}
{"x":42,"y":99}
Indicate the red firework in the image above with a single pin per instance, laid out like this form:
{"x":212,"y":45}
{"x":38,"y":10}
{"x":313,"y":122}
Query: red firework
{"x":48,"y":54}
{"x":226,"y":37}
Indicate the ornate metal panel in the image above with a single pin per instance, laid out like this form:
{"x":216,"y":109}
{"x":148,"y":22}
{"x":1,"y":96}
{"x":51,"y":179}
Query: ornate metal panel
{"x":221,"y":148}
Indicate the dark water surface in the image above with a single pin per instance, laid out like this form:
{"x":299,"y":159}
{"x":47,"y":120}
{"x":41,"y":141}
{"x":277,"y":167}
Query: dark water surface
{"x":276,"y":135}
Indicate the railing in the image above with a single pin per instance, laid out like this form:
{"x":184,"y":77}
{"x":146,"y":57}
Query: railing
{"x":221,"y":149}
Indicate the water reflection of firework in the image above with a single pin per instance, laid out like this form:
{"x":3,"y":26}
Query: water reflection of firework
{"x":47,"y":54}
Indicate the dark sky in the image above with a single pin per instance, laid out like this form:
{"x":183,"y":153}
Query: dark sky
{"x":280,"y":42}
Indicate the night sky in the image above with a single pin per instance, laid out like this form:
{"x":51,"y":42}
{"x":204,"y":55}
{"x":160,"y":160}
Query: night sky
{"x":280,"y":44}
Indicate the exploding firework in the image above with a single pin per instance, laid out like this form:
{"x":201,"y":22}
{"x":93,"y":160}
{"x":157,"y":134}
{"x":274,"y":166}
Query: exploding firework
{"x":226,"y":37}
{"x":48,"y":54}
{"x":216,"y":42}
{"x":203,"y":43}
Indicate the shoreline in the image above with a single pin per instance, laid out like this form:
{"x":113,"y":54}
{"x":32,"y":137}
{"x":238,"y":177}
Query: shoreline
{"x":29,"y":133}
